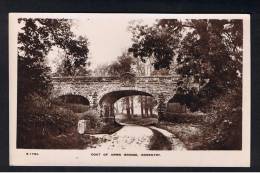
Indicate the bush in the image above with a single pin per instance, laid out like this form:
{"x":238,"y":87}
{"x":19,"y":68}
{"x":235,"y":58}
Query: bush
{"x":96,"y":124}
{"x":226,"y":129}
{"x":219,"y":127}
{"x":93,"y":119}
{"x":38,"y":120}
{"x":181,"y":117}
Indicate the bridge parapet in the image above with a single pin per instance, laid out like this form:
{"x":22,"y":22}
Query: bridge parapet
{"x":114,"y":79}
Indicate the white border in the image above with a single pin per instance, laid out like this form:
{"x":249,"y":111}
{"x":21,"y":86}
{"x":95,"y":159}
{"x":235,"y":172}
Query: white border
{"x":168,"y":158}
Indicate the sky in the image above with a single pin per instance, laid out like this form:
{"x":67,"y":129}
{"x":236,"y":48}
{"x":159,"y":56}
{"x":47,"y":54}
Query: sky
{"x":108,"y":38}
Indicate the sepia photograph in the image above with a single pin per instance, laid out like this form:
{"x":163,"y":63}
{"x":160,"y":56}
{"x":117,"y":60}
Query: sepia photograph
{"x":125,"y":88}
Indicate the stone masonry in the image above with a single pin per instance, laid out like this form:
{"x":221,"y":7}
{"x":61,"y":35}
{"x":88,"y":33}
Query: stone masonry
{"x":103,"y":92}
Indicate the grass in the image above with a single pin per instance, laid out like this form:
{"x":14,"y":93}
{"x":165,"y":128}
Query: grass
{"x":139,"y":121}
{"x":190,"y":134}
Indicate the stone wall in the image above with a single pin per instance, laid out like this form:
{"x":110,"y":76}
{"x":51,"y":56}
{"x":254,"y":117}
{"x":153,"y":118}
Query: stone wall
{"x":162,"y":88}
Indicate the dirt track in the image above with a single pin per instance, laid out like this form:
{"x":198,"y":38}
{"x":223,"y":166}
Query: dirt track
{"x":135,"y":137}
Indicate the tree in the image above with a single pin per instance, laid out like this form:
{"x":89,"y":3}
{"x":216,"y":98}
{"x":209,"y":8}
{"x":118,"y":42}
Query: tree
{"x":151,"y":102}
{"x":146,"y":106}
{"x":123,"y":64}
{"x":139,"y":67}
{"x":142,"y":105}
{"x":35,"y":40}
{"x":208,"y":55}
{"x":67,"y":69}
{"x":210,"y":60}
{"x":158,"y":41}
{"x":116,"y":108}
{"x":101,"y":70}
{"x":132,"y":104}
{"x":128,"y":109}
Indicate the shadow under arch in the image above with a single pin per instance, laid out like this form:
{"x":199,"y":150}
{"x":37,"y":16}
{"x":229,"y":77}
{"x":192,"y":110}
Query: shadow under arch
{"x":72,"y":99}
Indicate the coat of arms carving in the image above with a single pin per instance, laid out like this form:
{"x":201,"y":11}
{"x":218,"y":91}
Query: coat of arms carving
{"x":127,"y":79}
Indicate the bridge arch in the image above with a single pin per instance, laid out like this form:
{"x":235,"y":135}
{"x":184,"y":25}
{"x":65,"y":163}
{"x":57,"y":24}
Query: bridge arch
{"x":122,"y":90}
{"x":107,"y":100}
{"x":112,"y":97}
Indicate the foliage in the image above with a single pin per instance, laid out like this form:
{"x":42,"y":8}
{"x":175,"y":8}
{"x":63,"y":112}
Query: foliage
{"x":66,"y":69}
{"x":158,"y":41}
{"x":95,"y":123}
{"x":190,"y":134}
{"x":181,"y":118}
{"x":122,"y":65}
{"x":208,"y":55}
{"x":38,"y":119}
{"x":219,"y":129}
{"x":226,"y":132}
{"x":208,"y":59}
{"x":93,"y":118}
{"x":100,"y":70}
{"x":74,"y":61}
{"x":161,"y":72}
{"x":35,"y":39}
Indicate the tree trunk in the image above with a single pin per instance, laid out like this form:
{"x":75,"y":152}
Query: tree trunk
{"x":122,"y":106}
{"x":142,"y":106}
{"x":111,"y":110}
{"x":151,"y":106}
{"x":128,"y":107}
{"x":151,"y":110}
{"x":132,"y":105}
{"x":116,"y":108}
{"x":146,"y":106}
{"x":106,"y":112}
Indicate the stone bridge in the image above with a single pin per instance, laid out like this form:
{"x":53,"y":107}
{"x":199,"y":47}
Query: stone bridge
{"x":103,"y":92}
